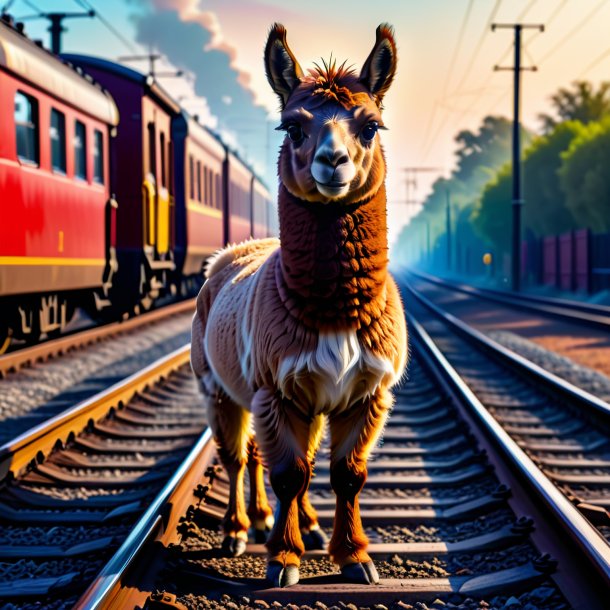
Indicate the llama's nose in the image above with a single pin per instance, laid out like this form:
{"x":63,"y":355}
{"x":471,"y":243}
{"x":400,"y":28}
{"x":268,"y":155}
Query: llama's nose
{"x":332,"y":157}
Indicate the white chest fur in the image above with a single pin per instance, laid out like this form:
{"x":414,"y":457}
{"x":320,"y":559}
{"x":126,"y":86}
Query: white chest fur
{"x":337,"y":374}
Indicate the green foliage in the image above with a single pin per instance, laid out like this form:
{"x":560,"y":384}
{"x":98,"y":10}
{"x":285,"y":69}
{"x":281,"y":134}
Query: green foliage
{"x":545,"y":211}
{"x":580,"y":103}
{"x":488,"y":147}
{"x":585,"y":178}
{"x":491,"y":216}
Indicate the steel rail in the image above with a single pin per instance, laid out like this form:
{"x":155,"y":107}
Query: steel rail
{"x":595,"y":316}
{"x":554,"y":383}
{"x":105,"y":591}
{"x":594,"y":547}
{"x":39,"y":441}
{"x":20,"y":357}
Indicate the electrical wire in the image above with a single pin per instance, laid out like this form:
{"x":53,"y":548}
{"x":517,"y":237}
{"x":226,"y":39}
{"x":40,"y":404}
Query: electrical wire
{"x":574,"y":30}
{"x":450,"y":70}
{"x":33,"y":7}
{"x":6,"y":6}
{"x":525,"y":11}
{"x":85,"y":4}
{"x":486,"y":82}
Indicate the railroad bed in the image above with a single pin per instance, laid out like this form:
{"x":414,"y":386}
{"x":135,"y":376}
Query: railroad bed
{"x":79,"y":366}
{"x":456,"y":514}
{"x":73,"y":489}
{"x":563,"y":429}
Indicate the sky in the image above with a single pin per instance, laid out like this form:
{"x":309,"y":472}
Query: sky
{"x":445,"y":80}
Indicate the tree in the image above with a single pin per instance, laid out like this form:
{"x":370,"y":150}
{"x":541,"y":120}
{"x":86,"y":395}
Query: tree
{"x":580,"y":103}
{"x":585,"y":179}
{"x":545,"y":211}
{"x":491,"y":215}
{"x":488,"y":147}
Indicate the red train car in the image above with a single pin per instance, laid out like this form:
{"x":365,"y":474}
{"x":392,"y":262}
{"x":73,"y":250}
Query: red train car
{"x":56,"y":240}
{"x":199,"y":160}
{"x":143,"y":180}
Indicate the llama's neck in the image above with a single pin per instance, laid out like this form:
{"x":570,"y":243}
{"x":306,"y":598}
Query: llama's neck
{"x":333,"y":261}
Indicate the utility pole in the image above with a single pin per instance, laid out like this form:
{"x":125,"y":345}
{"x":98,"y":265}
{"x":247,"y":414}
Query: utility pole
{"x":411,"y":182}
{"x":151,"y":58}
{"x":56,"y":28}
{"x":518,"y":201}
{"x":411,"y":179}
{"x":448,"y":227}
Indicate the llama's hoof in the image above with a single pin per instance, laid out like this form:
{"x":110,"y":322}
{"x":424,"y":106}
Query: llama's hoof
{"x":280,"y":575}
{"x":361,"y":573}
{"x":260,"y":536}
{"x":234,"y":546}
{"x":315,"y":539}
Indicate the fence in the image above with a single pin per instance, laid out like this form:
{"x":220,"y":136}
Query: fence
{"x":577,"y":260}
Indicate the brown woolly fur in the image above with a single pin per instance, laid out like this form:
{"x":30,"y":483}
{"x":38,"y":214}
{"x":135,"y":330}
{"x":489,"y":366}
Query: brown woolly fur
{"x":307,"y":331}
{"x":333,"y":84}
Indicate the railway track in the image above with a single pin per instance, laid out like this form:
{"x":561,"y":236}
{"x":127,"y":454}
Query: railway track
{"x":565,"y":430}
{"x":585,"y":314}
{"x":458,"y":514}
{"x":21,"y":357}
{"x":72,"y":489}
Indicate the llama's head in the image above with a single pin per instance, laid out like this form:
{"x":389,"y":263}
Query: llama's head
{"x":331,"y":117}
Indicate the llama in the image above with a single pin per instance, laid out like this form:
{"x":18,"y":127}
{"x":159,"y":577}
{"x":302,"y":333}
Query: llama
{"x":307,"y":331}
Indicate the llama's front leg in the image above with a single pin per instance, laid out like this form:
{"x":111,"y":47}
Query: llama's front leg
{"x":283,"y":437}
{"x":231,"y":424}
{"x":259,"y":511}
{"x":353,"y":434}
{"x":313,"y":536}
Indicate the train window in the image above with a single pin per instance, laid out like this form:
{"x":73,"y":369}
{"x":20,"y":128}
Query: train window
{"x":57,"y":131}
{"x":199,"y":181}
{"x":26,"y":127}
{"x":152,"y":150}
{"x":98,"y":157}
{"x":80,"y":150}
{"x":170,"y":167}
{"x":206,"y":192}
{"x":218,"y":202}
{"x":192,"y":176}
{"x":163,"y":168}
{"x":211,"y":188}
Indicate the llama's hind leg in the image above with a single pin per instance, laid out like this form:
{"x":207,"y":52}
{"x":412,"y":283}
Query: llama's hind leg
{"x":313,"y":536}
{"x":259,"y":511}
{"x":231,"y":426}
{"x":283,"y":438}
{"x":353,"y":434}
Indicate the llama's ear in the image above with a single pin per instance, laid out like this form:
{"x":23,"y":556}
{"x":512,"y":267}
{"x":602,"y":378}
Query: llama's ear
{"x":379,"y":68}
{"x":283,"y":70}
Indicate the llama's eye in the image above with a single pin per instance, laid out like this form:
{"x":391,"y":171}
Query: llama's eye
{"x":295,"y":132}
{"x":369,"y":130}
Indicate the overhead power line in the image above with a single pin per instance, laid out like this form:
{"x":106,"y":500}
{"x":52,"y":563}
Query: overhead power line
{"x":525,"y":11}
{"x":450,"y":70}
{"x":581,"y":24}
{"x":492,"y":16}
{"x":88,"y":6}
